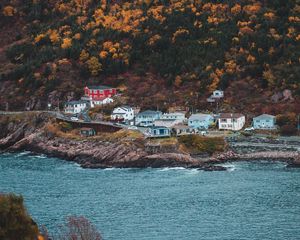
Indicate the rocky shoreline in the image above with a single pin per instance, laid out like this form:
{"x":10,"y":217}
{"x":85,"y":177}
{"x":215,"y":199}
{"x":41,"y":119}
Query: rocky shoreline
{"x":95,"y":153}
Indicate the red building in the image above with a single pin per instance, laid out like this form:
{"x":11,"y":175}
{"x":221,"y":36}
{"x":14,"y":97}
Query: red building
{"x":99,"y":92}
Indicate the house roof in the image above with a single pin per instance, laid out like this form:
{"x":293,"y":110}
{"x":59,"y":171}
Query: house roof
{"x":159,"y":127}
{"x":75,"y":102}
{"x":180,"y":126}
{"x":231,"y":115}
{"x":264,"y":116}
{"x":174,"y":113}
{"x":150,"y":112}
{"x":199,"y":116}
{"x":100,"y":87}
{"x":125,"y":108}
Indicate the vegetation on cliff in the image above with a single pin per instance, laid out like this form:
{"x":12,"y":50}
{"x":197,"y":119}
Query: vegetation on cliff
{"x":250,"y":48}
{"x":16,"y":223}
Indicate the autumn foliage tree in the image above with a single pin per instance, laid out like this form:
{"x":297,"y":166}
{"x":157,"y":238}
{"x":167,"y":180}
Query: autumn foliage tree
{"x":15,"y":223}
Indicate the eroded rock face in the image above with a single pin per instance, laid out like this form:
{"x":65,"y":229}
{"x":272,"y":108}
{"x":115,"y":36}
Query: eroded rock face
{"x":11,"y":139}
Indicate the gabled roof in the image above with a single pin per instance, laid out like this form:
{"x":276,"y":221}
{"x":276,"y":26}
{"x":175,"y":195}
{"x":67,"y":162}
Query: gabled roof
{"x":200,"y":116}
{"x":174,"y":114}
{"x":125,"y":108}
{"x":150,"y":112}
{"x":231,"y":115}
{"x":100,"y":87}
{"x":264,"y":116}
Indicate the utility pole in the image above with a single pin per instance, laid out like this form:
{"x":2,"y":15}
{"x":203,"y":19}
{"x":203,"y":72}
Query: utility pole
{"x":298,"y":124}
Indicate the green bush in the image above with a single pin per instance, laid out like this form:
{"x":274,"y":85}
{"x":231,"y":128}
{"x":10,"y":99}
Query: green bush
{"x":200,"y":144}
{"x":15,"y":223}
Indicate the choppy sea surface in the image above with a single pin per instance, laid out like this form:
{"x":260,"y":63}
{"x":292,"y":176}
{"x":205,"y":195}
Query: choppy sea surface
{"x":258,"y":200}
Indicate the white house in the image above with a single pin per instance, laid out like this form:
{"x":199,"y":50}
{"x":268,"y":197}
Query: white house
{"x":97,"y":102}
{"x":74,"y":107}
{"x":231,"y":121}
{"x":124,"y":113}
{"x":218,"y":94}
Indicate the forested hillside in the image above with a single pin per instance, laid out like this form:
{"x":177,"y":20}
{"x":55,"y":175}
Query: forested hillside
{"x":159,"y":53}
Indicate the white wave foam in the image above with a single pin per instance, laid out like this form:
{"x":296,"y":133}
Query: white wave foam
{"x":40,"y":156}
{"x":193,"y":171}
{"x":171,"y":168}
{"x":109,"y":169}
{"x":23,"y":153}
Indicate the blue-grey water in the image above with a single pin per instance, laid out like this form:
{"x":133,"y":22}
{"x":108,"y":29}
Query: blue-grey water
{"x":250,"y":201}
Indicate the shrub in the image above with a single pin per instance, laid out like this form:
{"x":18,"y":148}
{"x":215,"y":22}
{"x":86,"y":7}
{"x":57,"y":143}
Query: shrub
{"x":15,"y":223}
{"x":199,"y":144}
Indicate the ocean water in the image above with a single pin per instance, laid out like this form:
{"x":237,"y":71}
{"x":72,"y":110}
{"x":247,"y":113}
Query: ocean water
{"x":249,"y":201}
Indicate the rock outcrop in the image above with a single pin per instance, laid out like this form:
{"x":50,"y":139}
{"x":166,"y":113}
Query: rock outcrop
{"x":99,"y":153}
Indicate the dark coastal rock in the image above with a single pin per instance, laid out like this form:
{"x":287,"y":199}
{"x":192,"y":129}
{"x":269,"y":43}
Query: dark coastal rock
{"x":295,"y":163}
{"x":211,"y":168}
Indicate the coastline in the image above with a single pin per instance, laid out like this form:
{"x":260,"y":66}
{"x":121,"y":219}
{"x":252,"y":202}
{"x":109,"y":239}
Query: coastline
{"x":132,"y":153}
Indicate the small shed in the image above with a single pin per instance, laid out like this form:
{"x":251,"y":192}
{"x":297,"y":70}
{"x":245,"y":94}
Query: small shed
{"x":87,"y":132}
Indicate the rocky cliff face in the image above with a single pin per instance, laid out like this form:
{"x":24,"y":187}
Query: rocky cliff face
{"x":90,"y":153}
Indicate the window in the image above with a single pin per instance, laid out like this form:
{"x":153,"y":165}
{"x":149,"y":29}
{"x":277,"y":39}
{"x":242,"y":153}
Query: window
{"x":223,"y":120}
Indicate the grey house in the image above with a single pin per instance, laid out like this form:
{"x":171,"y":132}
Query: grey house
{"x":264,"y":121}
{"x":147,"y":118}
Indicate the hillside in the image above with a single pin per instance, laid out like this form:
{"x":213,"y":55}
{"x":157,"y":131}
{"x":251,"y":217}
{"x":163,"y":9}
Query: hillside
{"x":160,"y":53}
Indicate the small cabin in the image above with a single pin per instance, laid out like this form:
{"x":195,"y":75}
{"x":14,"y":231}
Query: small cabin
{"x":87,"y":132}
{"x":160,"y":132}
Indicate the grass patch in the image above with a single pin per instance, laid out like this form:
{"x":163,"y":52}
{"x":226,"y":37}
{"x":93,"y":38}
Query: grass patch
{"x":196,"y":144}
{"x":164,"y":141}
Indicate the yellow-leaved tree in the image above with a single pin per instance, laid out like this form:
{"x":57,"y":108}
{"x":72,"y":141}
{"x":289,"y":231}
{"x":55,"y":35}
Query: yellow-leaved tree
{"x":94,"y":66}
